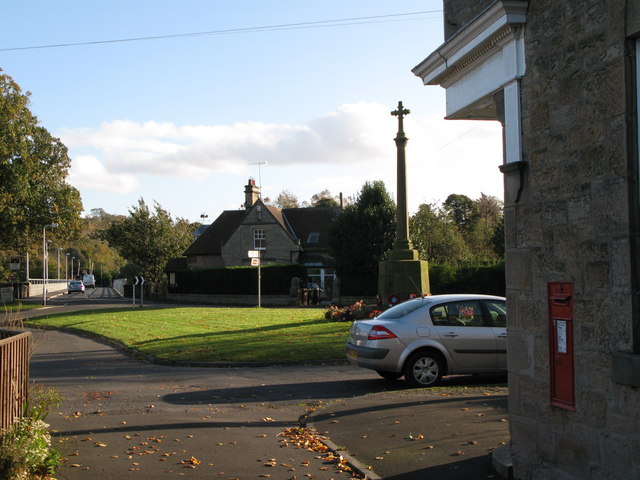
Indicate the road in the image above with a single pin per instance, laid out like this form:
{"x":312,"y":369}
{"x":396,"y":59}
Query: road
{"x":126,"y":419}
{"x":91,"y":296}
{"x":230,"y":419}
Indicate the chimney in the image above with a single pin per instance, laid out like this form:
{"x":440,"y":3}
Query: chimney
{"x":251,"y":194}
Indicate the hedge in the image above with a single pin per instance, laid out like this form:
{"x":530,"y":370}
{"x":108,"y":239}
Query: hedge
{"x":276,"y":280}
{"x":474,"y":278}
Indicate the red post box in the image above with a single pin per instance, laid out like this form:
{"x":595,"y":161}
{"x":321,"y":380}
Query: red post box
{"x":560,"y":296}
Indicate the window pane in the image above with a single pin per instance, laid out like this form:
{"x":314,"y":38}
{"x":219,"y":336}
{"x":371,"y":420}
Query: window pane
{"x":259,"y":239}
{"x":402,"y":309}
{"x":466,"y":313}
{"x":498,"y":312}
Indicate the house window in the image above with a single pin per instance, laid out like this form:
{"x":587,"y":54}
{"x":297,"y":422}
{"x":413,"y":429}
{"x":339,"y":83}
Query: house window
{"x":313,"y":237}
{"x":259,"y":239}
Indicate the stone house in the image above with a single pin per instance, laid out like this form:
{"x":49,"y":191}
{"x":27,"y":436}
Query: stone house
{"x":282,"y":236}
{"x":562,"y":76}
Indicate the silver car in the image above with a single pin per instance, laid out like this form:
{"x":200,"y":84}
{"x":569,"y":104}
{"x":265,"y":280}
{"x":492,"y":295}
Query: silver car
{"x":429,"y":337}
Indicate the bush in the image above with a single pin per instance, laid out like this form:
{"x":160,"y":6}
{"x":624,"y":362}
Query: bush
{"x":346,"y":314}
{"x":276,"y":280}
{"x":25,"y":446}
{"x":470,"y":278}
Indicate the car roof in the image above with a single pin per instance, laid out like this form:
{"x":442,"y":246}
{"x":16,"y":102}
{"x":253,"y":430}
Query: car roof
{"x":452,"y":297}
{"x":463,"y":296}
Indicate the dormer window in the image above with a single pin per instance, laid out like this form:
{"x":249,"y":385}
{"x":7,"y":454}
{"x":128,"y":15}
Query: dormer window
{"x":313,"y":237}
{"x":259,"y":239}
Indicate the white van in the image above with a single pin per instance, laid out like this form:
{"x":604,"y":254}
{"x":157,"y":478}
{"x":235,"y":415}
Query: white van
{"x":89,"y":280}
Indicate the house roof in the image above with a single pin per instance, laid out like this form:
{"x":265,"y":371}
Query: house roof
{"x":211,"y":241}
{"x":300,"y":223}
{"x":305,"y":221}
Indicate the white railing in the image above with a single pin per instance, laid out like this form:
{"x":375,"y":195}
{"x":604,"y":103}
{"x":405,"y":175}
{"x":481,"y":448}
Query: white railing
{"x":118,"y":285}
{"x":53,"y":285}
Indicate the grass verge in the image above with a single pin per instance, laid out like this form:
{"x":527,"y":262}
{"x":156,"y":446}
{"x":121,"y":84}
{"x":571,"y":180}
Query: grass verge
{"x":214,"y":334}
{"x":18,"y":306}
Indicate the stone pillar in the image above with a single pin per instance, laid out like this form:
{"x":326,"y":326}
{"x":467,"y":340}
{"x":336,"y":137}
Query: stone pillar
{"x":403,"y":274}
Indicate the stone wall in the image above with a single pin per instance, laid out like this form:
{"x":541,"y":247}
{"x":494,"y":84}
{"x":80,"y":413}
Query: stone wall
{"x":458,"y":13}
{"x":573,"y":224}
{"x":280,"y":248}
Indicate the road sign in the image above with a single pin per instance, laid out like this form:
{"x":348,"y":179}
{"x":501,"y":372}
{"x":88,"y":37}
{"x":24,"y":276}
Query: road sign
{"x":253,"y":254}
{"x":255,"y":262}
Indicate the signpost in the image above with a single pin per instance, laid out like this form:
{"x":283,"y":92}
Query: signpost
{"x":254,"y":255}
{"x":140,"y":281}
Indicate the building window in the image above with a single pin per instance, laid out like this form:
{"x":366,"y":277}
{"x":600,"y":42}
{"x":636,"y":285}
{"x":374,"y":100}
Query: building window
{"x":313,"y":237}
{"x":259,"y":239}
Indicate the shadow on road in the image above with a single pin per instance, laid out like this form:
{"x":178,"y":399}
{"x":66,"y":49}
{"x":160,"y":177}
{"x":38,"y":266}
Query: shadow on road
{"x":310,"y":390}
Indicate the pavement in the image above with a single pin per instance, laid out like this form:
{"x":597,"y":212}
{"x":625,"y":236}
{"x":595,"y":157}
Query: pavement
{"x":123,"y":418}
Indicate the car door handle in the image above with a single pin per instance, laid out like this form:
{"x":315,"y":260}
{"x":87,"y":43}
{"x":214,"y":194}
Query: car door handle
{"x":502,"y":335}
{"x":451,"y":334}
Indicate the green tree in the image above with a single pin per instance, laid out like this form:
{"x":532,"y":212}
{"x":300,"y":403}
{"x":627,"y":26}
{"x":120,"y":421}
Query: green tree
{"x":463,"y":211}
{"x":486,"y":239}
{"x":286,"y":199}
{"x":436,"y":238}
{"x":360,"y":238}
{"x":324,"y":199}
{"x":33,"y":170}
{"x":147,"y":240}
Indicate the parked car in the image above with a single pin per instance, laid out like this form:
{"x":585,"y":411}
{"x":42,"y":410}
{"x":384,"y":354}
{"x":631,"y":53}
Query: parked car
{"x":75,"y":286}
{"x":427,"y":338}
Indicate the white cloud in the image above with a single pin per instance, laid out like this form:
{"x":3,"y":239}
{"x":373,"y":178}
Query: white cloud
{"x":339,"y":150}
{"x":88,"y":173}
{"x":350,"y":134}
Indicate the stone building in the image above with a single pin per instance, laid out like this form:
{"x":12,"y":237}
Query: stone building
{"x":283,"y":236}
{"x":562,"y":77}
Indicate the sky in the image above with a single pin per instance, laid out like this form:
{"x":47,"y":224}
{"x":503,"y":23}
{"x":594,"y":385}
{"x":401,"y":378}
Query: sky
{"x":180,"y":103}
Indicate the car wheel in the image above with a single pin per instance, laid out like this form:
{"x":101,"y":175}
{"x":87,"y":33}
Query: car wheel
{"x":389,"y":375}
{"x":424,"y":368}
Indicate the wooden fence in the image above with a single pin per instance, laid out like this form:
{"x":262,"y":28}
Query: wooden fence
{"x":15,"y":348}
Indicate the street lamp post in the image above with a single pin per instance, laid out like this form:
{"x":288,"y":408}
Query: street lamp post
{"x":45,"y":262}
{"x":72,"y":274}
{"x":66,"y":267}
{"x":59,"y":262}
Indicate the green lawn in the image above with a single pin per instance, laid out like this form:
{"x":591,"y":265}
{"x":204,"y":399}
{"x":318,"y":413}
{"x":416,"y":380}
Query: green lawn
{"x":214,"y":334}
{"x":18,"y":306}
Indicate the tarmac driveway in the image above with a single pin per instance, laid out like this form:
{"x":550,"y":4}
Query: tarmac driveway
{"x":124,"y":419}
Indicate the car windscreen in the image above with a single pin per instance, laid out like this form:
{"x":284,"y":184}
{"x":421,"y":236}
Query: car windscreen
{"x":402,"y":309}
